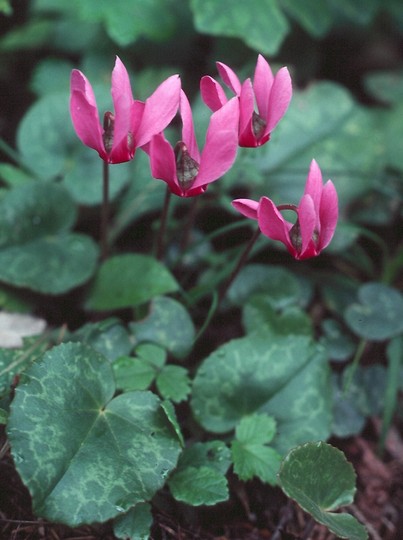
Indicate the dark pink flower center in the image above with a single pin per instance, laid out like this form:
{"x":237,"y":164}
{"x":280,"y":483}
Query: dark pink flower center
{"x":186,"y":167}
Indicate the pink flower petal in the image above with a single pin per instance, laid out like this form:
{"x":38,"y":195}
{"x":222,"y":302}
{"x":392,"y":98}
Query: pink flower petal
{"x":123,"y":144}
{"x":212,"y":93}
{"x":159,"y":110}
{"x":262,"y":83}
{"x":162,"y":162}
{"x":229,"y":77}
{"x":314,"y":184}
{"x":307,"y":222}
{"x":84,"y":113}
{"x":246,"y":207}
{"x":188,"y":134}
{"x":328,"y":214}
{"x":273,"y":225}
{"x":279,"y":98}
{"x":246,"y":108}
{"x":221,"y":145}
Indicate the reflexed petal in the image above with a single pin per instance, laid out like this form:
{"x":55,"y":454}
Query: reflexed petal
{"x":262,"y":83}
{"x":273,"y":225}
{"x":246,"y":107}
{"x":84,"y":113}
{"x":308,"y":219}
{"x":246,"y":207}
{"x":229,"y":77}
{"x":188,"y":134}
{"x":162,"y":162}
{"x":280,"y":97}
{"x":314,"y":185}
{"x":328,"y":214}
{"x":212,"y":93}
{"x":122,"y":97}
{"x":159,"y":110}
{"x":221,"y":145}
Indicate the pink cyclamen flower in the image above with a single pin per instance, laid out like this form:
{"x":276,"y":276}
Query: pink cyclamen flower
{"x":271,"y":95}
{"x":186,"y":171}
{"x":317,"y":215}
{"x":133,"y":122}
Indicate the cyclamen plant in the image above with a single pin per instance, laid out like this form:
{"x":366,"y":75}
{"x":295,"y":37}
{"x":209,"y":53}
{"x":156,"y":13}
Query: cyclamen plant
{"x":138,"y":443}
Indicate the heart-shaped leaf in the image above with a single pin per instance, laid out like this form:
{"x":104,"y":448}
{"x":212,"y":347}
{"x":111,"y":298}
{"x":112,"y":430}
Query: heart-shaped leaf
{"x":320,"y":479}
{"x":84,"y":455}
{"x":36,"y":248}
{"x":379,"y":313}
{"x":129,"y":280}
{"x":266,"y":374}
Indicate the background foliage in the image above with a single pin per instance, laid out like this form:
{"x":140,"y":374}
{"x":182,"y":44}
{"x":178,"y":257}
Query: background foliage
{"x":316,"y":350}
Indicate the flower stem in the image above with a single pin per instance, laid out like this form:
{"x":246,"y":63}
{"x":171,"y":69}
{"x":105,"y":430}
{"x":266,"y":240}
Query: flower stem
{"x":105,"y":211}
{"x":189,"y":225}
{"x":241,"y":262}
{"x":218,"y":298}
{"x":163,"y":225}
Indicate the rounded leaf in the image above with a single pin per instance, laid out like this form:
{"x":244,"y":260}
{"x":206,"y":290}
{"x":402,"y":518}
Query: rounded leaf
{"x":129,"y":280}
{"x":84,"y":456}
{"x":320,"y":479}
{"x":379,"y":313}
{"x":270,"y":375}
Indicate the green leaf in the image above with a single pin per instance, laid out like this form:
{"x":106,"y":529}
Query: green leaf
{"x":14,"y":361}
{"x":3,"y":416}
{"x":256,"y":429}
{"x":259,"y":315}
{"x":199,"y":486}
{"x":338,"y":343}
{"x":51,"y":265}
{"x":252,"y":460}
{"x":84,"y":455}
{"x":320,"y":479}
{"x":133,"y":373}
{"x":250,"y":455}
{"x":173,"y":383}
{"x":50,"y":75}
{"x":200,"y":475}
{"x":135,"y":524}
{"x":168,"y":324}
{"x":283,"y":377}
{"x":214,"y":454}
{"x":359,"y":11}
{"x":5,"y":7}
{"x":315,"y":17}
{"x":259,"y":23}
{"x":34,"y":34}
{"x":385,"y":85}
{"x":280,"y":286}
{"x":36,"y":249}
{"x":126,"y":22}
{"x":169,"y":411}
{"x":129,"y":280}
{"x":379,"y":313}
{"x":109,"y":337}
{"x":139,"y":372}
